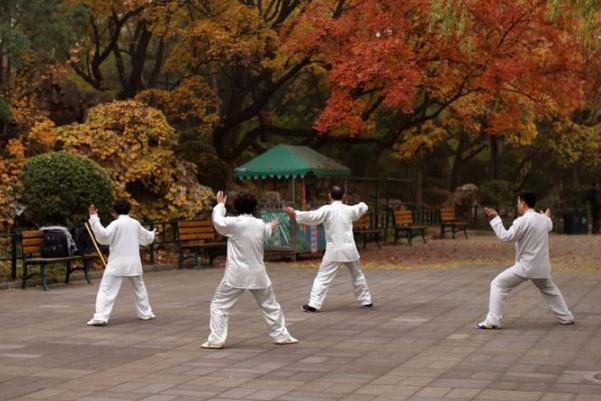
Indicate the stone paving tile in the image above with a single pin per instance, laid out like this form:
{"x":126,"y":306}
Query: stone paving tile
{"x":159,"y":398}
{"x":418,"y":343}
{"x":557,"y":397}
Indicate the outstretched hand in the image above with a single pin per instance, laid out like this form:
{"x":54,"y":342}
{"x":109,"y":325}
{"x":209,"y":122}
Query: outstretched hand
{"x":274,"y":224}
{"x":490,"y":213}
{"x":290,"y":212}
{"x":221,"y":197}
{"x":546,"y":212}
{"x":92,"y":209}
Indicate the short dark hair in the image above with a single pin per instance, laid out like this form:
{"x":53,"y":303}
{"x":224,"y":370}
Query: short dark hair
{"x":336,"y":192}
{"x":245,"y":202}
{"x":121,"y":206}
{"x":528,"y":197}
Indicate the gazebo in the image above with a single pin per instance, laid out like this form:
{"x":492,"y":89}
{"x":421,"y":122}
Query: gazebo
{"x":288,"y":162}
{"x":291,"y":163}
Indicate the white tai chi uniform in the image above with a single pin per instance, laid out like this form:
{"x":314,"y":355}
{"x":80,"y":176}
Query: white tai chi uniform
{"x":124,"y":235}
{"x":531,"y":233}
{"x":341,"y":250}
{"x":244,"y":270}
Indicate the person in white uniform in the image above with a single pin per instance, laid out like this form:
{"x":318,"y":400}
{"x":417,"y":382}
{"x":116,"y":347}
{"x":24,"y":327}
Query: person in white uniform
{"x":341,"y":250}
{"x":530,"y":231}
{"x":124,"y":236}
{"x":244,"y":270}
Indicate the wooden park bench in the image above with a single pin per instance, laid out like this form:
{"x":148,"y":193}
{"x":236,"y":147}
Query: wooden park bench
{"x":449,"y":223}
{"x":199,"y":237}
{"x":32,"y":242}
{"x":363,"y":230}
{"x":403,"y":226}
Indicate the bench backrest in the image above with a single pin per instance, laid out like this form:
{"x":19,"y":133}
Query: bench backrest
{"x":362,"y":223}
{"x":403,"y":217}
{"x":447,"y":214}
{"x":33,"y":240}
{"x":197,"y":230}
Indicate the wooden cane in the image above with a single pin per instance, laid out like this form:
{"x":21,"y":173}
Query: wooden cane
{"x":95,"y":244}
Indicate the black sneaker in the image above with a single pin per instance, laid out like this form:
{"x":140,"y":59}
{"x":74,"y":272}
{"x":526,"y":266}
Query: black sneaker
{"x":309,"y":308}
{"x":367,"y":306}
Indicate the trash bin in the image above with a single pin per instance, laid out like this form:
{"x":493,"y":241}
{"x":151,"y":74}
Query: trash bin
{"x":575,"y":221}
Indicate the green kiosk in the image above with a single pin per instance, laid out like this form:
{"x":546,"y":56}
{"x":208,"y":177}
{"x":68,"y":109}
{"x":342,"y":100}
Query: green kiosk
{"x":293,"y":164}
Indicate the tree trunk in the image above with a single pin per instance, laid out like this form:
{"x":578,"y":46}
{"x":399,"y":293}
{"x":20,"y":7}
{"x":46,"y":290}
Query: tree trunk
{"x":228,"y":176}
{"x":457,"y":163}
{"x":138,"y":59}
{"x":419,"y":179}
{"x":494,"y":157}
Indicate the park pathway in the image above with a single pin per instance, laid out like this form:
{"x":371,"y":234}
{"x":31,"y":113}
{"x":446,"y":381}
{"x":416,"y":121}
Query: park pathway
{"x":418,"y":343}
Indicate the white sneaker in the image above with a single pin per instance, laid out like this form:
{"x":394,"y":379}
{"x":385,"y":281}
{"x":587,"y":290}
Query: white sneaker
{"x":487,"y":326}
{"x":93,"y":322}
{"x":147,"y":317}
{"x":287,"y":341}
{"x":208,"y":345}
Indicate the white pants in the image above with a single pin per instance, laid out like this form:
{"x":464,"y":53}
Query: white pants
{"x":502,"y":285}
{"x":108,"y":291}
{"x":223,"y":302}
{"x":326,"y":273}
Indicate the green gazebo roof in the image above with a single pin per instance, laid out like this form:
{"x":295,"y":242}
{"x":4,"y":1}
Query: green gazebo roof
{"x":286,"y":161}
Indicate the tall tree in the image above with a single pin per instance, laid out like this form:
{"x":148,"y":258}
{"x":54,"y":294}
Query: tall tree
{"x":239,"y":54}
{"x":507,"y":64}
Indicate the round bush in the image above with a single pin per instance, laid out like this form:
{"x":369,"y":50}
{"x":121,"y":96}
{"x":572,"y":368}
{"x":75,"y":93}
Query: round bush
{"x":57,"y":188}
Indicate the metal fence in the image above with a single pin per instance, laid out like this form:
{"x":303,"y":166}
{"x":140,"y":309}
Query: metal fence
{"x":382,"y":219}
{"x":8,"y":251}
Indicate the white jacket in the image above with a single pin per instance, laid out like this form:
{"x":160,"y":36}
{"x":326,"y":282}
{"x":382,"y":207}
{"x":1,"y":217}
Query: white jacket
{"x":531,"y":233}
{"x":246,"y":235}
{"x":124,"y":235}
{"x":337,"y":219}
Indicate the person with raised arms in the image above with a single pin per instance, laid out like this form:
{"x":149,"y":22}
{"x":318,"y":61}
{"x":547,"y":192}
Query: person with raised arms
{"x":124,"y":236}
{"x":341,"y":250}
{"x":530,"y":232}
{"x":244,"y":270}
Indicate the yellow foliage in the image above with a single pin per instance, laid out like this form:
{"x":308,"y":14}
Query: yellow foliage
{"x":134,"y":143}
{"x":570,"y":142}
{"x":9,"y":172}
{"x":419,"y":139}
{"x":219,"y":34}
{"x":192,"y":99}
{"x":42,"y":135}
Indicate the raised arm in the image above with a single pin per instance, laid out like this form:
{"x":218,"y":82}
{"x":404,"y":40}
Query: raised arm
{"x":270,"y":228}
{"x":222,"y":224}
{"x":513,"y":233}
{"x":312,"y":218}
{"x":547,"y":214}
{"x":358,"y":210}
{"x":103,"y":235}
{"x":145,"y":236}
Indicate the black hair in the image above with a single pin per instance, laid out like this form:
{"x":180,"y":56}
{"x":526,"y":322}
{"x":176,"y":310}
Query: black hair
{"x":121,"y":206}
{"x":245,"y":203}
{"x":528,"y":197}
{"x":336,"y":192}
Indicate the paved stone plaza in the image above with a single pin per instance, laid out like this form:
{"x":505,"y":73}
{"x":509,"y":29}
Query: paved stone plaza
{"x":418,"y":343}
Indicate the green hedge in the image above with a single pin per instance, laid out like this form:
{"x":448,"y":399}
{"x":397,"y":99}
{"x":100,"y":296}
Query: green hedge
{"x":57,"y":188}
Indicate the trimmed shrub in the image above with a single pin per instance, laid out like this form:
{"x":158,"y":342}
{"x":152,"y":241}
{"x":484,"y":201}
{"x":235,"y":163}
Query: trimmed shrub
{"x":57,"y":188}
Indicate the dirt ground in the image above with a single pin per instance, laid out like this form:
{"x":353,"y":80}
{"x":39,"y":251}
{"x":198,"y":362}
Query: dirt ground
{"x":568,"y":253}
